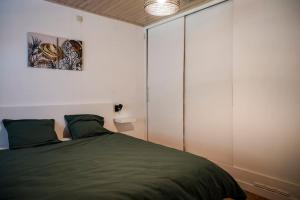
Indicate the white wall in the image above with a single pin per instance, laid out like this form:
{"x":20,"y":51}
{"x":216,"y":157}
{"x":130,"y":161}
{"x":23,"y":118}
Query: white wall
{"x":113,"y":59}
{"x":267,"y":88}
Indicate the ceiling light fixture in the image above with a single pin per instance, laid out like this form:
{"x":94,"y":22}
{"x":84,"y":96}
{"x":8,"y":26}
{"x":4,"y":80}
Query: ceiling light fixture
{"x":161,"y":7}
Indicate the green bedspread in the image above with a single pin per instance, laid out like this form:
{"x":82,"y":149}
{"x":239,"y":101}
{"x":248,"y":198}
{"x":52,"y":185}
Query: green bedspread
{"x":111,"y":167}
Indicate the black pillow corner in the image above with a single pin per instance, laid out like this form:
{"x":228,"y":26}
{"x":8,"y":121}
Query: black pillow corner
{"x":5,"y":122}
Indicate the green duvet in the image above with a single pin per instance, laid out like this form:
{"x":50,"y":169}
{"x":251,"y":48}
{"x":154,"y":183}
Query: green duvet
{"x":111,"y":167}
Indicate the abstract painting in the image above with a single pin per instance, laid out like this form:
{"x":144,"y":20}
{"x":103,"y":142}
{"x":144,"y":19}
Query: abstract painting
{"x":54,"y":52}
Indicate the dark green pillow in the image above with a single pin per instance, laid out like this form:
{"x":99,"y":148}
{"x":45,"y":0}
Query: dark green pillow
{"x":30,"y":132}
{"x":86,"y":125}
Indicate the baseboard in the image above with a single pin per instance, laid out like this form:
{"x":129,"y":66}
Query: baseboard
{"x":249,"y":180}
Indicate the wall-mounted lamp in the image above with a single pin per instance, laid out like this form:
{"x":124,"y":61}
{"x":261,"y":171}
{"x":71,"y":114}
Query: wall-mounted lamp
{"x":118,"y":107}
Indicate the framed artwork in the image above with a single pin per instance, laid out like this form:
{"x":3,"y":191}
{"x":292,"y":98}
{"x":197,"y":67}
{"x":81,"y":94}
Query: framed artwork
{"x":50,"y":52}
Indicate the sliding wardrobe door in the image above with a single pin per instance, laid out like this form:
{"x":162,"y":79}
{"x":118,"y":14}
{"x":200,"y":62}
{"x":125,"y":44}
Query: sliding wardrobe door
{"x":208,"y":119}
{"x":165,"y":83}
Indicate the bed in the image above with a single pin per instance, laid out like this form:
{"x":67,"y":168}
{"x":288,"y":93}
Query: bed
{"x":112,"y":167}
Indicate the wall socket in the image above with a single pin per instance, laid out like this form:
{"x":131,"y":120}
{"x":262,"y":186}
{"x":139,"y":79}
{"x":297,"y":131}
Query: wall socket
{"x":79,"y":18}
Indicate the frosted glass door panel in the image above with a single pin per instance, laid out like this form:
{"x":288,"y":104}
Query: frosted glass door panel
{"x":165,"y":83}
{"x":209,"y":36}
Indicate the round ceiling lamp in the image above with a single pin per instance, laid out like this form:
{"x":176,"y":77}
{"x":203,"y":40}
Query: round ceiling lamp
{"x":161,"y":7}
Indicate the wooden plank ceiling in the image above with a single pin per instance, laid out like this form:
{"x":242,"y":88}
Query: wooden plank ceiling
{"x":131,"y":11}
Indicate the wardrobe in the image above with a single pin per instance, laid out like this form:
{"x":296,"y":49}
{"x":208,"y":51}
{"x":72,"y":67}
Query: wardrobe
{"x":189,"y":90}
{"x":224,"y":83}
